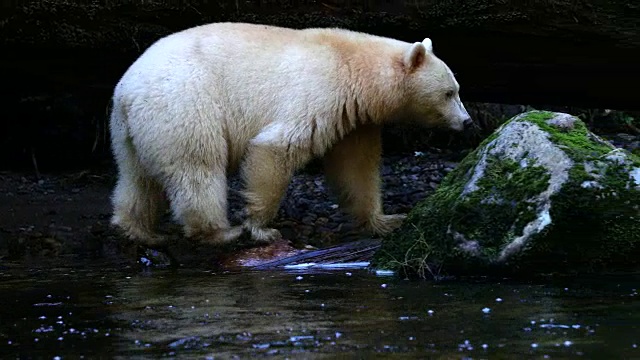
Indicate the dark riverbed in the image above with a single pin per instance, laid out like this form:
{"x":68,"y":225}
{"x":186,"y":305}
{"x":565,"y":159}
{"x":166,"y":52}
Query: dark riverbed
{"x":100,"y":311}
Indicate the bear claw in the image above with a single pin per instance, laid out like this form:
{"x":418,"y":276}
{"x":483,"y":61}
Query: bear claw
{"x":384,"y":224}
{"x":264,"y":235}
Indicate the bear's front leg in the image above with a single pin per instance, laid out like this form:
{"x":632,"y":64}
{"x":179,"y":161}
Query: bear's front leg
{"x":267,"y":170}
{"x":352,"y":169}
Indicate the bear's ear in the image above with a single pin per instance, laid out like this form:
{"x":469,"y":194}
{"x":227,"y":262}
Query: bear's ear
{"x":415,"y":56}
{"x":428,"y":44}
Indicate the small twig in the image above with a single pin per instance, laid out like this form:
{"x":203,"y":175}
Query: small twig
{"x":35,"y":163}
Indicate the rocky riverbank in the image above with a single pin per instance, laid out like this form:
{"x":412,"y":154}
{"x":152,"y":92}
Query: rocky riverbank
{"x":67,"y":215}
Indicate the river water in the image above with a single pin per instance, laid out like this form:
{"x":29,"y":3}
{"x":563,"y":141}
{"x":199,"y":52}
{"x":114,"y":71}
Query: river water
{"x":98,"y":311}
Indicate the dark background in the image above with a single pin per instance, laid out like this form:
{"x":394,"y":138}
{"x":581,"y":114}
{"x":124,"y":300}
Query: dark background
{"x":61,"y":59}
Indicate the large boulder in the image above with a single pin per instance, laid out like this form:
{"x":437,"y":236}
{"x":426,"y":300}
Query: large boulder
{"x":541,"y":194}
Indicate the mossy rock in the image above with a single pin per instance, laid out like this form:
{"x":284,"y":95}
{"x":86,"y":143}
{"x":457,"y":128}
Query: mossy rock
{"x":542,"y":194}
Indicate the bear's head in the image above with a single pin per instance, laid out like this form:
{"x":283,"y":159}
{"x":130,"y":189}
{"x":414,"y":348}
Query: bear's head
{"x":432,"y":92}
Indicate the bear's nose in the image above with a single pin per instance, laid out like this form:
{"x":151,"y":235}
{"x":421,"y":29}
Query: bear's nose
{"x":467,"y":123}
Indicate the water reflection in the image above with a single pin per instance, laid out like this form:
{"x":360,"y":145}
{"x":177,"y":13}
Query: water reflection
{"x":125,"y":312}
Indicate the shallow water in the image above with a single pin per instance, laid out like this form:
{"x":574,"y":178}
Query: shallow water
{"x":101,"y":311}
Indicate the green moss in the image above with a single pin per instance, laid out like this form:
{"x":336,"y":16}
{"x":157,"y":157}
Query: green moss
{"x":589,"y":235}
{"x":502,"y":204}
{"x":413,"y":247}
{"x":577,"y":143}
{"x":506,"y":184}
{"x":605,"y":236}
{"x":591,"y":228}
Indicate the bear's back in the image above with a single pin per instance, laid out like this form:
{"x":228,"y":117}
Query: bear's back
{"x":257,"y":66}
{"x":231,"y":39}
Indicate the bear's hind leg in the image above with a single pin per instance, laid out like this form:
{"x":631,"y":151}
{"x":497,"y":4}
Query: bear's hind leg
{"x":198,"y":196}
{"x":137,"y":199}
{"x":352,"y":170}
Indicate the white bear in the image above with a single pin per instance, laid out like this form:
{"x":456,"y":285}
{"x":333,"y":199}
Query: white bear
{"x":203,"y":103}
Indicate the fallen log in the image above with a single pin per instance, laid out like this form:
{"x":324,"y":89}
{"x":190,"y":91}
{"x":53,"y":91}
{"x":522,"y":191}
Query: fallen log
{"x":354,"y":252}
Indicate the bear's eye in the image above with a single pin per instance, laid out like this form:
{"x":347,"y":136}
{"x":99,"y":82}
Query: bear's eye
{"x":449,"y":94}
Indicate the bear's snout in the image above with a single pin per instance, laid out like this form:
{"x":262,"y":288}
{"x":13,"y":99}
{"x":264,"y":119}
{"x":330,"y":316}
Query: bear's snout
{"x":467,"y":123}
{"x":461,"y":122}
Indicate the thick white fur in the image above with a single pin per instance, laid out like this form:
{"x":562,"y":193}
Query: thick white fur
{"x":202,"y":103}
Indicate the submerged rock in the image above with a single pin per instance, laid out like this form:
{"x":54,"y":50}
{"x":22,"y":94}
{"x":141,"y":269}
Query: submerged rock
{"x":541,"y":194}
